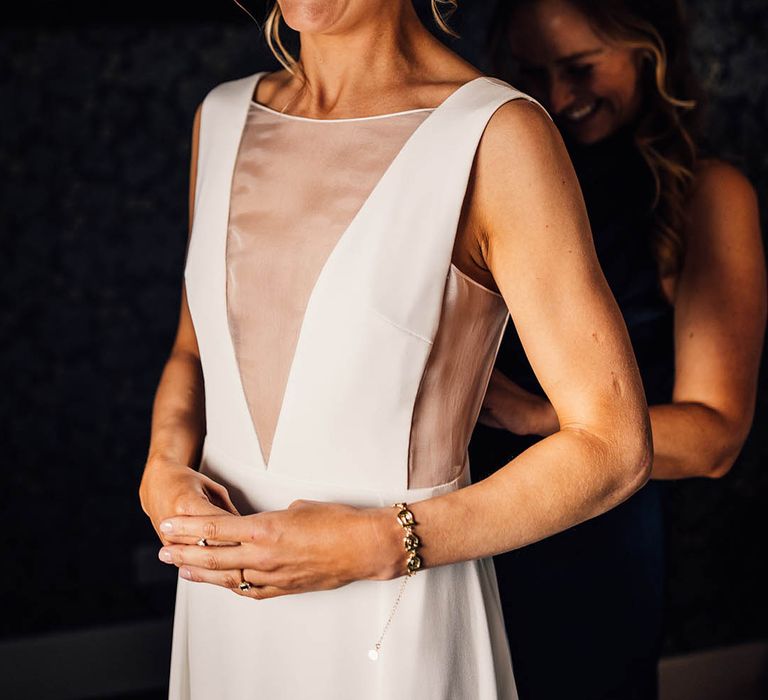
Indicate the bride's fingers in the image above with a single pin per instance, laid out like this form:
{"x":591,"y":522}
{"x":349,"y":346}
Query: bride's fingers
{"x":180,"y":540}
{"x":237,"y":557}
{"x":223,"y":526}
{"x":187,"y":540}
{"x":262,"y":584}
{"x":197,"y":506}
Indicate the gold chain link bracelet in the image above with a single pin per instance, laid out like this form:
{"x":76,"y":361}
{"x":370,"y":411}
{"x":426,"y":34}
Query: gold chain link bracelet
{"x":411,"y":543}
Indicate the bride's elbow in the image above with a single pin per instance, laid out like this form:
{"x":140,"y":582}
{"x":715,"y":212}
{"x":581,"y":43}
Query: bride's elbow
{"x":636,"y":458}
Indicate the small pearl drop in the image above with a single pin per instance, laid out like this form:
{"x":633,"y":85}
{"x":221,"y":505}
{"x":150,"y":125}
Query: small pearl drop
{"x":373,"y":654}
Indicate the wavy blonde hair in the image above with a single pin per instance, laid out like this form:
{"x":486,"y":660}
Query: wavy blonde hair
{"x":666,"y":127}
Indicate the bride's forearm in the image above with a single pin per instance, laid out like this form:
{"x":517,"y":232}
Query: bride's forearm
{"x":567,"y":478}
{"x":178,"y":413}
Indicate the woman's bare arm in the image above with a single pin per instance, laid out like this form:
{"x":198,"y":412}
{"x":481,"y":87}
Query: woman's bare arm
{"x":178,"y":412}
{"x":720,"y":315}
{"x":178,"y":416}
{"x":539,"y":249}
{"x":170,"y":485}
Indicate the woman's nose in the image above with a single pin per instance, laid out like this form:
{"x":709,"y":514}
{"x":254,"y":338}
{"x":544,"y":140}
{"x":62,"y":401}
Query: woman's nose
{"x":560,"y":94}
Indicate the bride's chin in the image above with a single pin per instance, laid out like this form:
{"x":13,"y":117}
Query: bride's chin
{"x":310,"y":16}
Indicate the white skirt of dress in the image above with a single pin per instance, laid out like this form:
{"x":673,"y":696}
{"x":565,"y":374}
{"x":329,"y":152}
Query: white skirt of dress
{"x":446,"y":640}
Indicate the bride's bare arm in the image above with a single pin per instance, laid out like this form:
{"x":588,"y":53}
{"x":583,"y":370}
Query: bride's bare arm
{"x":170,"y":485}
{"x":538,"y":247}
{"x":178,"y":412}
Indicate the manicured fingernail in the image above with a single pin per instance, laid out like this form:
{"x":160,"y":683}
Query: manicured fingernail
{"x":165,"y":555}
{"x":184,"y":573}
{"x":166,"y":526}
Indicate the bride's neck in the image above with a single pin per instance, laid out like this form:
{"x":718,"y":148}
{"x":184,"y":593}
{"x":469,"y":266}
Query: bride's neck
{"x":338,"y":69}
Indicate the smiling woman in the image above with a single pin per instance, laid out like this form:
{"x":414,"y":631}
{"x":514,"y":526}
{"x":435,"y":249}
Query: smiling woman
{"x":610,"y":71}
{"x":606,"y":66}
{"x":678,"y":237}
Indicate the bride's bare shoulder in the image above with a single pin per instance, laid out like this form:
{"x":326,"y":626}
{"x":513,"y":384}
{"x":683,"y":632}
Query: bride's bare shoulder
{"x":520,"y":130}
{"x":520,"y":148}
{"x":523,"y":179}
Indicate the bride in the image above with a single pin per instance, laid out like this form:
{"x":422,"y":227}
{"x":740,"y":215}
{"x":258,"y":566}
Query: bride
{"x":364,"y":222}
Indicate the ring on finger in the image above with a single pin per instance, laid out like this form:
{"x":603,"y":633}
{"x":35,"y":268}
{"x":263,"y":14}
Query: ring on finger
{"x":244,"y":585}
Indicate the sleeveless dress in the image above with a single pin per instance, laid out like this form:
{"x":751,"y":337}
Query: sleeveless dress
{"x":345,"y":359}
{"x":589,"y":601}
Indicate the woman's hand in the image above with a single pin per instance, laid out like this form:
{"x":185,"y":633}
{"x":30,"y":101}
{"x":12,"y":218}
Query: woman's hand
{"x":309,"y":546}
{"x":170,"y":488}
{"x":508,"y":406}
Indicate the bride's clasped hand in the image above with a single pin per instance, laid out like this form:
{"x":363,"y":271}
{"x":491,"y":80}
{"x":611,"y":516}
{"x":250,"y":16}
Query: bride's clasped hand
{"x":309,"y":546}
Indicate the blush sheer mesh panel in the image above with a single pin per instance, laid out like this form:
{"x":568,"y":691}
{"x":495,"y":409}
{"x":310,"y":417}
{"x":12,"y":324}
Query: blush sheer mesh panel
{"x":297,"y":185}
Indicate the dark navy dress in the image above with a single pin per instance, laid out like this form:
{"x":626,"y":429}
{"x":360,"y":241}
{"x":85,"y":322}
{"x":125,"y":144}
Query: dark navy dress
{"x":583,"y":609}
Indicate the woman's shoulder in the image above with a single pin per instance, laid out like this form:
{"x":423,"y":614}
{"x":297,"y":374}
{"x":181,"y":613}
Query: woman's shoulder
{"x":718,"y":183}
{"x":722,"y":211}
{"x":517,"y":105}
{"x":520,"y":141}
{"x":521,"y":117}
{"x":521,"y":170}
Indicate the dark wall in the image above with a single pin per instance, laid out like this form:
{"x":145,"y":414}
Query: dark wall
{"x":95,"y":124}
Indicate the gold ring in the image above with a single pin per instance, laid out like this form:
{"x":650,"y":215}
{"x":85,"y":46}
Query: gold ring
{"x":202,"y":542}
{"x":243,"y":585}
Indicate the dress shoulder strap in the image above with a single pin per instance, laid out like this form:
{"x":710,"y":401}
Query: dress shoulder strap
{"x":419,"y":201}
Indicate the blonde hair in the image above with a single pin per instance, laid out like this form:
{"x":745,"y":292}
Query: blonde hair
{"x":291,"y":64}
{"x":664,"y":139}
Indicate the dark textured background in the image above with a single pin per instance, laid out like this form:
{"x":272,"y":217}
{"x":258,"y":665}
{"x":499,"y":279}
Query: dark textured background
{"x":95,"y":124}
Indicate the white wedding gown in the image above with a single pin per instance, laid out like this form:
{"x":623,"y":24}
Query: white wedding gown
{"x":345,"y":359}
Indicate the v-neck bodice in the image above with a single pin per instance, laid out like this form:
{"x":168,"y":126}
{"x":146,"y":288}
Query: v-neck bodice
{"x":339,"y":342}
{"x":296,"y":186}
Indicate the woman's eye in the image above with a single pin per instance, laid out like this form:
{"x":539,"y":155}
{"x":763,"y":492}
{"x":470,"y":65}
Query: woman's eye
{"x":580,"y":70}
{"x":526,"y":68}
{"x":531,"y":72}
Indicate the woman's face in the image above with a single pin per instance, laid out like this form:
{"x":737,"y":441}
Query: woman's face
{"x":590,"y":86}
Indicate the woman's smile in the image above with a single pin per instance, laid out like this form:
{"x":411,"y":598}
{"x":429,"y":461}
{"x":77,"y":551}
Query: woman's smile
{"x":580,"y":112}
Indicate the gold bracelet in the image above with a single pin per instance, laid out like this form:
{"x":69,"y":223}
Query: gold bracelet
{"x":411,"y":543}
